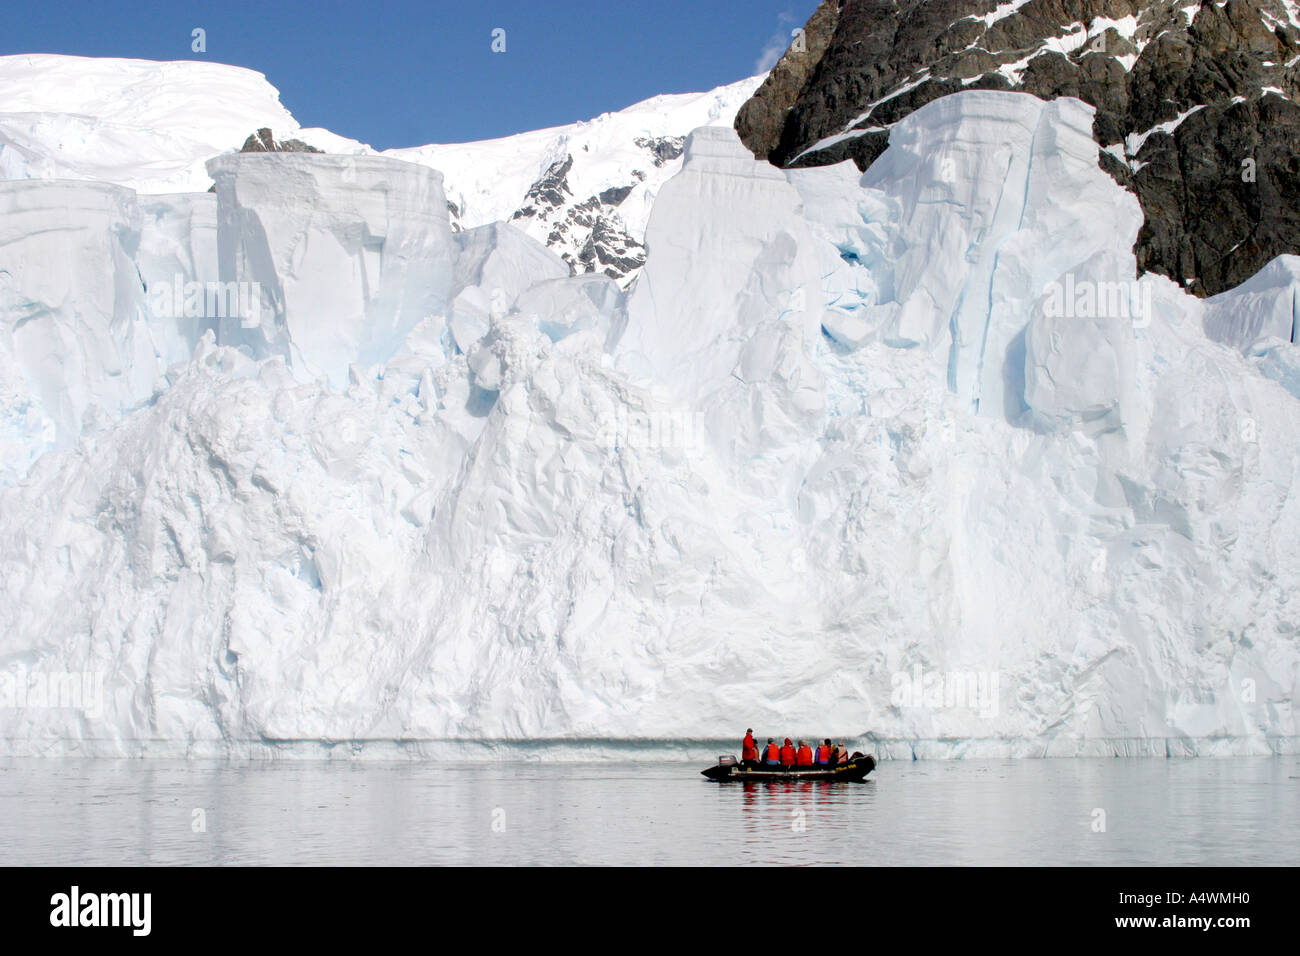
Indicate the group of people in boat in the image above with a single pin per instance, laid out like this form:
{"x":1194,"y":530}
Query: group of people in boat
{"x":824,"y":755}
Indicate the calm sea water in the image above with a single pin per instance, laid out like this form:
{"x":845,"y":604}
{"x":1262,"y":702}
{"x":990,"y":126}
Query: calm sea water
{"x":1022,"y":812}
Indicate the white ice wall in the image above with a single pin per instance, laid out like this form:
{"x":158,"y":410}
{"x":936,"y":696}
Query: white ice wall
{"x":349,"y":253}
{"x":727,"y":249}
{"x":73,"y":333}
{"x":816,"y":512}
{"x":178,"y":248}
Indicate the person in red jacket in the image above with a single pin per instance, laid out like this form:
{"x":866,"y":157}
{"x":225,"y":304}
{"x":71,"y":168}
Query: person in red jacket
{"x":787,"y":753}
{"x":824,"y":752}
{"x":771,"y":753}
{"x":749,"y":749}
{"x":804,"y":755}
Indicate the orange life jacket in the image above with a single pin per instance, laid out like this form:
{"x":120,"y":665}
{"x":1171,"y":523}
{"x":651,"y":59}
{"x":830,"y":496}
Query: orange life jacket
{"x":773,"y":753}
{"x":805,"y":756}
{"x":823,"y":754}
{"x":787,"y":754}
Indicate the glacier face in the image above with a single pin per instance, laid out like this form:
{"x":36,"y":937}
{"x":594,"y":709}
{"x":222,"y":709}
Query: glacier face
{"x":913,"y":454}
{"x":74,"y":346}
{"x":344,"y":255}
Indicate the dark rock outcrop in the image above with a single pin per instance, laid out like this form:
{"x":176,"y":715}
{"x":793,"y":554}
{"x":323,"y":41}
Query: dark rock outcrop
{"x":761,"y":120}
{"x":263,"y":142}
{"x":614,"y":195}
{"x":662,"y":149}
{"x":1196,"y":105}
{"x":610,"y":251}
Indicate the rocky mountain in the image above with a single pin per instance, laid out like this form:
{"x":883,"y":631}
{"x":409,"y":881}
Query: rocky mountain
{"x":589,"y":234}
{"x":1195,"y":105}
{"x":584,"y":190}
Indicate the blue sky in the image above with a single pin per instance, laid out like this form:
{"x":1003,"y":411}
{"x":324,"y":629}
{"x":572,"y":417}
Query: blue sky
{"x":402,"y":72}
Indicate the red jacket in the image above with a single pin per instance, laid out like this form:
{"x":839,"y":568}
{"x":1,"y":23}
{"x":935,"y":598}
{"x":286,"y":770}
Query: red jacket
{"x":787,"y":753}
{"x":773,"y":753}
{"x":823,"y":754}
{"x":749,"y":750}
{"x":805,"y":756}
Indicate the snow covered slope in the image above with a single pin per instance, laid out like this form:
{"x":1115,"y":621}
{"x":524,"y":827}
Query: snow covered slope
{"x":912,"y":454}
{"x":584,"y":190}
{"x":143,"y":124}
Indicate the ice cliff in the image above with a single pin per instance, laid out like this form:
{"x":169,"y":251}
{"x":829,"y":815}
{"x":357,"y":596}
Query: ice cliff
{"x":911,"y":456}
{"x":347,"y":253}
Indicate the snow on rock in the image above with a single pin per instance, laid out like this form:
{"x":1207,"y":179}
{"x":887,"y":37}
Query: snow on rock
{"x":629,"y":151}
{"x":838,"y":464}
{"x":346,"y":255}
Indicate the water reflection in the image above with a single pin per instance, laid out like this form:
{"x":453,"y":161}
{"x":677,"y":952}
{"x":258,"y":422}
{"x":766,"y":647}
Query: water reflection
{"x":1234,"y":811}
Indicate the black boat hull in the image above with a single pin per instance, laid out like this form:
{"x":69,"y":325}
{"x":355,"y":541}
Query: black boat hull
{"x":854,"y":771}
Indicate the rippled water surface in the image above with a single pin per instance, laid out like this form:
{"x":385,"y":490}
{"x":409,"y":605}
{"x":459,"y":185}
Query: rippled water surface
{"x":1023,"y":812}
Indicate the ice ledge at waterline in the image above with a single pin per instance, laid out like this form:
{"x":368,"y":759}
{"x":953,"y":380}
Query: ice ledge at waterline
{"x":902,"y":459}
{"x":684,"y":751}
